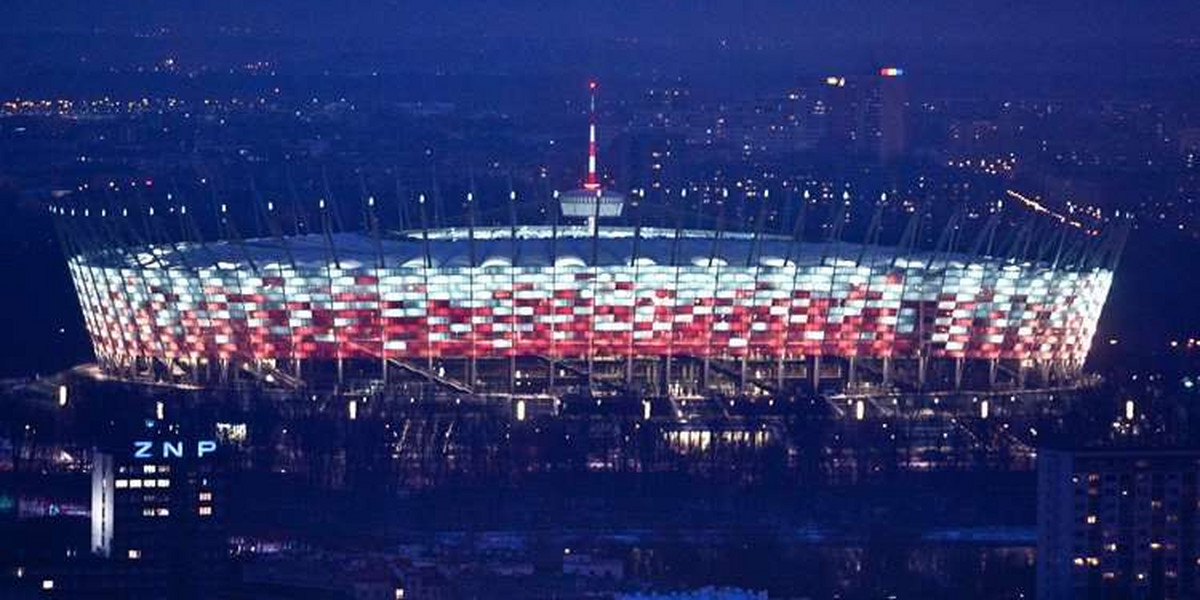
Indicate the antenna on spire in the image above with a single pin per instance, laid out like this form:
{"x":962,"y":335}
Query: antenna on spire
{"x":592,"y":183}
{"x":592,"y":202}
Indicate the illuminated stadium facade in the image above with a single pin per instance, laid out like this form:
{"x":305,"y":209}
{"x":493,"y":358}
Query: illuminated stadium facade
{"x":543,"y":310}
{"x":568,"y":294}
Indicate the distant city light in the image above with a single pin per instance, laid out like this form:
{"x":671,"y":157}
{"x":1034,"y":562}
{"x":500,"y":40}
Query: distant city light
{"x":891,"y":71}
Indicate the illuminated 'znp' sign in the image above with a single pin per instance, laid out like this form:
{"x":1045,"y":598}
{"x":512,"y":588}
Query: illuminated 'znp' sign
{"x":145,"y":449}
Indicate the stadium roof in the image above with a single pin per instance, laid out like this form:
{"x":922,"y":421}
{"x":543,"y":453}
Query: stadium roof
{"x":494,"y":246}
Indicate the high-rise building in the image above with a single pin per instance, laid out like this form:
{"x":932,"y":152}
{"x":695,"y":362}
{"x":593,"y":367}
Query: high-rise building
{"x":1118,"y":523}
{"x":866,"y":116}
{"x":157,"y":515}
{"x":892,"y":109}
{"x":156,"y":525}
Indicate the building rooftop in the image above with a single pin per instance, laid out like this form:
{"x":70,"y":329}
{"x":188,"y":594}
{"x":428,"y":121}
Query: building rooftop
{"x":532,"y":246}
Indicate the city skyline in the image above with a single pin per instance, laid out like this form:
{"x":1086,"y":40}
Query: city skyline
{"x":627,"y":301}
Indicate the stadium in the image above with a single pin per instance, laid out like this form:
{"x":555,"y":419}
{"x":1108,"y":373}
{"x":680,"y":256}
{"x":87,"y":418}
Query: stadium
{"x":629,"y":298}
{"x":729,"y":321}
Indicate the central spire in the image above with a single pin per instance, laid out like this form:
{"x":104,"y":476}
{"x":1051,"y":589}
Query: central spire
{"x":592,"y":183}
{"x":591,"y":201}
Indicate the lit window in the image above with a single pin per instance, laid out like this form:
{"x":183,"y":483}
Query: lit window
{"x":1091,"y":519}
{"x":147,"y":512}
{"x":47,"y":584}
{"x":150,"y":483}
{"x":1079,"y":561}
{"x":135,"y":483}
{"x":205,"y":496}
{"x":122,"y":484}
{"x":134,"y":554}
{"x":163,"y":483}
{"x":163,"y":512}
{"x":399,"y":593}
{"x":205,"y":511}
{"x":148,"y":469}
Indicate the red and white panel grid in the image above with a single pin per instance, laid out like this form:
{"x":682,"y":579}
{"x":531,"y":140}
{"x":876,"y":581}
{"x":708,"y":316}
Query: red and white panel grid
{"x":835,"y":307}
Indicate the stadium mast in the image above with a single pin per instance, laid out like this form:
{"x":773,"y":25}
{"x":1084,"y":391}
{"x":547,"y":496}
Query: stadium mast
{"x":592,"y":183}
